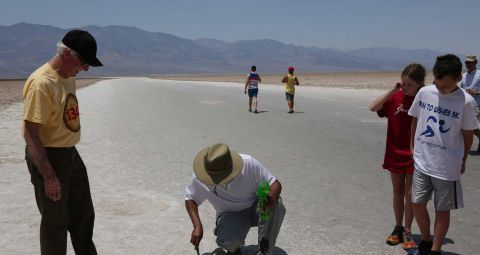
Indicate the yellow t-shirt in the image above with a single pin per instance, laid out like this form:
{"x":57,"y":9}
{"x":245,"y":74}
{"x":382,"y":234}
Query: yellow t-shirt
{"x":290,"y":84}
{"x":50,"y":100}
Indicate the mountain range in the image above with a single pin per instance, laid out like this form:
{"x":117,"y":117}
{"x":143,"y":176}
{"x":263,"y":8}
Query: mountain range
{"x":129,"y":51}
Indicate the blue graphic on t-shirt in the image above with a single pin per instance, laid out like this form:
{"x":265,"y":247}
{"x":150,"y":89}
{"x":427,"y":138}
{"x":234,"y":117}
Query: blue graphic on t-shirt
{"x":429,"y":130}
{"x":442,"y":123}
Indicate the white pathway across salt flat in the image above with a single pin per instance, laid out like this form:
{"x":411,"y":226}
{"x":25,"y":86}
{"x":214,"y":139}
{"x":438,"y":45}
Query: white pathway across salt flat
{"x":139,"y":137}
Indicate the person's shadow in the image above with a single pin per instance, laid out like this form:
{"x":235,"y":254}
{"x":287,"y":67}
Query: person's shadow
{"x":252,"y":249}
{"x":474,"y":153}
{"x":260,"y":112}
{"x":447,"y":240}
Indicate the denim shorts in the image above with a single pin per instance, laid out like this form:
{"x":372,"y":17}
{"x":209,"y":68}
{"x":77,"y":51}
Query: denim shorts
{"x":289,"y":96}
{"x":252,"y":92}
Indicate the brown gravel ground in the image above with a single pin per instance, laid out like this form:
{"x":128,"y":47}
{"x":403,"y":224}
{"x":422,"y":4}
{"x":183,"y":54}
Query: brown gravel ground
{"x":11,"y":90}
{"x":370,"y":80}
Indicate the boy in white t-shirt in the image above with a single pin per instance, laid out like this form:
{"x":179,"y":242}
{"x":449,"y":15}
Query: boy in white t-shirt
{"x":442,"y":134}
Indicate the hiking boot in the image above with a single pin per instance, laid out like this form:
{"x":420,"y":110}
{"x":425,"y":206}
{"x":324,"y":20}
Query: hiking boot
{"x":425,"y":247}
{"x":220,"y":251}
{"x":263,"y":247}
{"x":408,"y":242}
{"x":396,"y":236}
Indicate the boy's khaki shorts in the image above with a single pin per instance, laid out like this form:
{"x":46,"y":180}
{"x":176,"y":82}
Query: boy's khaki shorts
{"x":448,"y":194}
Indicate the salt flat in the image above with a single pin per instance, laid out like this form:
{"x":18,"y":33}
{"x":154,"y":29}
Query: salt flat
{"x":139,"y":137}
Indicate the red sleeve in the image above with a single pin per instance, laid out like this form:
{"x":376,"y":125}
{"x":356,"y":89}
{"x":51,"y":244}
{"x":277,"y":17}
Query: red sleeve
{"x":382,"y":113}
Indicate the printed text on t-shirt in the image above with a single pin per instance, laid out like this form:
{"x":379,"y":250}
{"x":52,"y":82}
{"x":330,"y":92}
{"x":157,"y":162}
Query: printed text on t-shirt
{"x":439,"y":109}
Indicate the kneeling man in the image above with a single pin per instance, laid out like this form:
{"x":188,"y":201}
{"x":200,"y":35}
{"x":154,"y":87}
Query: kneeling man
{"x":229,"y":181}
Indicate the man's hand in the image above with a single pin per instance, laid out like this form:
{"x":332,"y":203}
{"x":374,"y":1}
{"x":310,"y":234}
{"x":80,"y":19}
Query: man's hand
{"x":197,"y":235}
{"x":270,"y":202}
{"x":53,"y":188}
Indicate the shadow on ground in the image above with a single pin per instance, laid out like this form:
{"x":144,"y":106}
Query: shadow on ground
{"x":447,"y":240}
{"x":252,"y":249}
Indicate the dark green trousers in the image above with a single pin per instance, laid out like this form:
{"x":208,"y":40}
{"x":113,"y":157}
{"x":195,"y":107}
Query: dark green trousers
{"x":73,"y":212}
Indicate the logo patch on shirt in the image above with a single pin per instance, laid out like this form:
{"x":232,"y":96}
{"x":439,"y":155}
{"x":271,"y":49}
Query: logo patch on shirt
{"x":400,"y":109}
{"x":71,"y":115}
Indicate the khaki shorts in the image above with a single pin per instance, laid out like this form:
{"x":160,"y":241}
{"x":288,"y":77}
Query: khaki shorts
{"x":448,"y":194}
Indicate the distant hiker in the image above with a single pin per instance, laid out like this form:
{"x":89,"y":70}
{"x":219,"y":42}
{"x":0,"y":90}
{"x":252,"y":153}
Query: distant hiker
{"x":394,"y":106}
{"x":442,"y":133}
{"x":229,"y":181}
{"x":471,"y":83}
{"x":290,"y":81}
{"x":51,"y":128}
{"x":252,"y":84}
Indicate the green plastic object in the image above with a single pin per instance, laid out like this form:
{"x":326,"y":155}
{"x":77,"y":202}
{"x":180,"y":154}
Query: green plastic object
{"x":262,"y":194}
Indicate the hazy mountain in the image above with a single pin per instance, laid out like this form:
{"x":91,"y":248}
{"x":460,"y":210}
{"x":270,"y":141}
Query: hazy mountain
{"x":129,"y":51}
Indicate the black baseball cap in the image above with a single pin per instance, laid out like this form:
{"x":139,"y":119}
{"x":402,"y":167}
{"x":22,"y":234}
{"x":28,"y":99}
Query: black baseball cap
{"x":84,"y":44}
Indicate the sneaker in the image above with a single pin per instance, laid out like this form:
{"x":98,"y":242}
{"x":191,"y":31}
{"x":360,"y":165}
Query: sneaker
{"x":291,"y":111}
{"x":396,"y":236}
{"x":250,"y":110}
{"x":408,"y":242}
{"x":425,"y":247}
{"x":255,"y":111}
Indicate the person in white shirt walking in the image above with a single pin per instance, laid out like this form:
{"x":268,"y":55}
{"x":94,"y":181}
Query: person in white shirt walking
{"x":252,"y":85}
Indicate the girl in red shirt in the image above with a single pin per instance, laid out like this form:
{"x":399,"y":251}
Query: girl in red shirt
{"x":394,"y":106}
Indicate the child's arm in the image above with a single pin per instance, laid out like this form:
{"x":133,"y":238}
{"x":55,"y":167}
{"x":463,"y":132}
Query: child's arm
{"x":467,"y":142}
{"x":284,"y":79}
{"x":296,"y":81}
{"x":377,"y":104}
{"x":246,"y":84}
{"x":413,"y":129}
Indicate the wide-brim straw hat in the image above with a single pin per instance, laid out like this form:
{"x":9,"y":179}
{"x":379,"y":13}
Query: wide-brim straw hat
{"x":217,"y":164}
{"x":471,"y":58}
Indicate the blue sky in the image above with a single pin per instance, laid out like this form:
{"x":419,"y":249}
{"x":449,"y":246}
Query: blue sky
{"x":444,"y":25}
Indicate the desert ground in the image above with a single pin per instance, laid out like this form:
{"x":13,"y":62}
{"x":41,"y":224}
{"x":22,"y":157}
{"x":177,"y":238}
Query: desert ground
{"x":11,"y":90}
{"x":140,"y":135}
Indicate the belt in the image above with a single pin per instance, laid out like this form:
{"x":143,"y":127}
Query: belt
{"x":71,"y":148}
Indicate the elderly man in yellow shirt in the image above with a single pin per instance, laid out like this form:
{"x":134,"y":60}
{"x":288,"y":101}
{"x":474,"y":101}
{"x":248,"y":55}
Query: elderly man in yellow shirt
{"x":51,"y":128}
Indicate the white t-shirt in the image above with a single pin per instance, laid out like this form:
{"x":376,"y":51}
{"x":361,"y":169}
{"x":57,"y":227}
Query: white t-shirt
{"x":238,"y":194}
{"x":438,"y":144}
{"x":472,"y":81}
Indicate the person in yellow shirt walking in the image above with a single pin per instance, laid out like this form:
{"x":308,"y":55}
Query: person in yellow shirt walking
{"x":51,"y":128}
{"x":290,"y":81}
